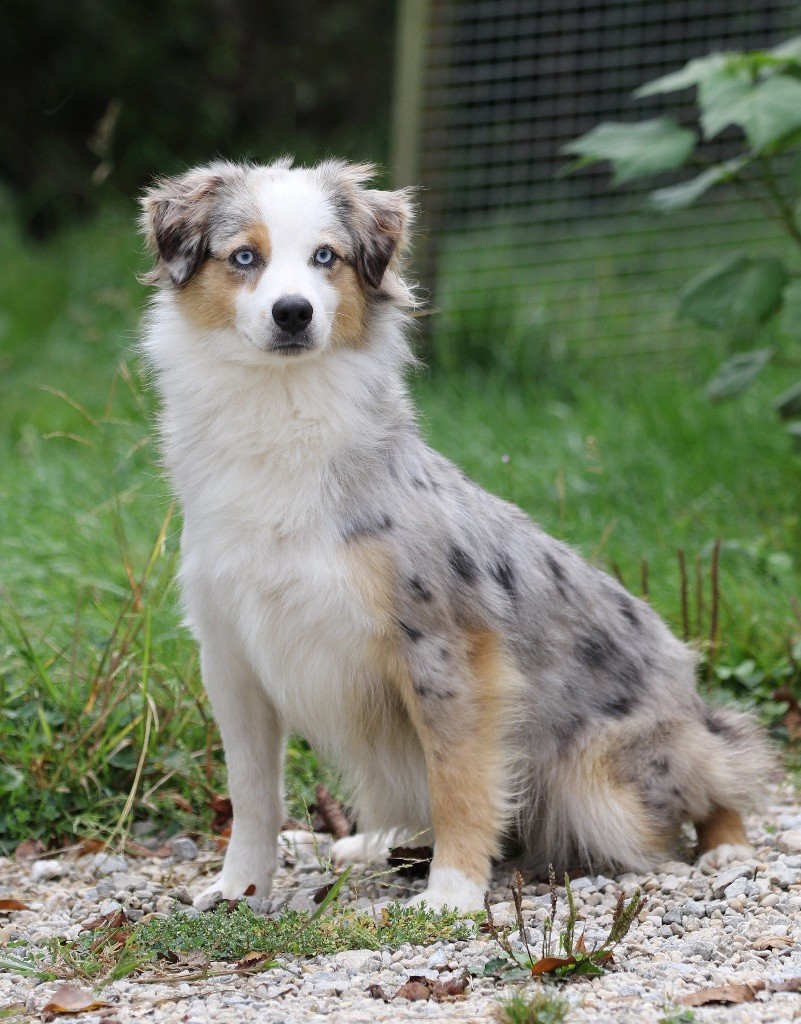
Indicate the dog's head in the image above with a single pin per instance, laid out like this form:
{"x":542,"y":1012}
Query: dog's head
{"x":291,"y":260}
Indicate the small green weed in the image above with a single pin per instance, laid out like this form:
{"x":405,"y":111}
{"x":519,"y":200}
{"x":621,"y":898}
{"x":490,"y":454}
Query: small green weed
{"x":541,"y":1008}
{"x":678,"y":1017}
{"x":561,"y":956}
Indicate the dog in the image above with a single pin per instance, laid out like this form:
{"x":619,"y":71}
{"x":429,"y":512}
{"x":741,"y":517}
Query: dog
{"x":467,"y":673}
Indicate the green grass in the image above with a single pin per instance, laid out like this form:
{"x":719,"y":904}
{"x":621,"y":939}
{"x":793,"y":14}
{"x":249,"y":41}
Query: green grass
{"x":101,"y":708}
{"x":541,"y":1007}
{"x":231,"y":932}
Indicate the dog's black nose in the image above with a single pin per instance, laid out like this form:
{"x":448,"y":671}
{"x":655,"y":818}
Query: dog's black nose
{"x":292,"y":313}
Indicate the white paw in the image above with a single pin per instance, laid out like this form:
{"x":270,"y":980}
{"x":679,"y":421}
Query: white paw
{"x":360,"y":849}
{"x":448,"y":887}
{"x":233,"y":884}
{"x":721,"y":856}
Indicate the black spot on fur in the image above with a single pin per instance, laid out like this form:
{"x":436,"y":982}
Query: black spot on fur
{"x":421,"y":485}
{"x":660,"y":764}
{"x":718,"y":726}
{"x":370,"y":528}
{"x":618,"y":706}
{"x":427,"y":692}
{"x":618,"y":674}
{"x":419,"y":589}
{"x":504,"y":575}
{"x":413,"y":634}
{"x":444,"y":653}
{"x":558,"y":573}
{"x":627,"y":607}
{"x":556,"y":569}
{"x":463,"y":564}
{"x":567,"y":727}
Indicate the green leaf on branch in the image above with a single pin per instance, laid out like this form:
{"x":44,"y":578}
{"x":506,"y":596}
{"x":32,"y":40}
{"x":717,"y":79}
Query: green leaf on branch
{"x":735,"y":375}
{"x":735,"y":294}
{"x":678,"y":197}
{"x":790,"y":319}
{"x":788,"y":404}
{"x":693,"y":73}
{"x":634,"y":150}
{"x":766,"y":111}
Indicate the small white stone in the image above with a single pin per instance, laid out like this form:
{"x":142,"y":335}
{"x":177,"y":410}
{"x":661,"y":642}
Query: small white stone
{"x":43,"y":869}
{"x":789,"y":842}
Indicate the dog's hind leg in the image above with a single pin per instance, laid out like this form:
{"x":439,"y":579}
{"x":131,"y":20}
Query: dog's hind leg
{"x":461,"y":720}
{"x":722,"y":839}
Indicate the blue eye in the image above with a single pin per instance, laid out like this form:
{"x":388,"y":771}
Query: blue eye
{"x":324,"y":256}
{"x":243,"y":258}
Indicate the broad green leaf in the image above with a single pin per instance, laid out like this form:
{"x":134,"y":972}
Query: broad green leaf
{"x":794,"y":430}
{"x":634,"y":150}
{"x":765,"y":111}
{"x":790,"y":320}
{"x":790,"y":49}
{"x":737,"y":292}
{"x":788,"y":404}
{"x":677,"y":197}
{"x":693,"y":73}
{"x":737,"y":373}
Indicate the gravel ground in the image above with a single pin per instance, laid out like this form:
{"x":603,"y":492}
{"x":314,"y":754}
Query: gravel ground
{"x":740,"y":923}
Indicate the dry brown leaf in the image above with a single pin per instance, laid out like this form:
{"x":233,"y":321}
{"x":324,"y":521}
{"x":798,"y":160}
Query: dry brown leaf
{"x":377,"y":992}
{"x":29,"y":849}
{"x":71,"y":999}
{"x":8,"y":905}
{"x":223,"y":814}
{"x":744,"y":993}
{"x":414,"y":991}
{"x":255,"y":958}
{"x":332,"y":813}
{"x":446,"y":991}
{"x":550,"y":963}
{"x":785,"y":985}
{"x":86,"y":846}
{"x":773,"y":942}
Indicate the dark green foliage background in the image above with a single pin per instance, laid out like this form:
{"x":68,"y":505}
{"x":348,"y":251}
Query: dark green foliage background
{"x":193,"y":78}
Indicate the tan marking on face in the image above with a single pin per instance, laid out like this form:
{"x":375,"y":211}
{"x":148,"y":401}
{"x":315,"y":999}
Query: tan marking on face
{"x":348,"y":327}
{"x":209,"y":298}
{"x":722,"y":826}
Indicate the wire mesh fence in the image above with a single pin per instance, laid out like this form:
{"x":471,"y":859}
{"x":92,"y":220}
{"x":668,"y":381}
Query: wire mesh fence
{"x":510,"y":244}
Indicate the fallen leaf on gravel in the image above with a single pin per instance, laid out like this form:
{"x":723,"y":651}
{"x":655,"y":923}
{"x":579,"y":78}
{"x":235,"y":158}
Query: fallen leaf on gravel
{"x":377,"y":992}
{"x":29,"y":849}
{"x":413,"y":990}
{"x":134,"y":849}
{"x":445,"y":991}
{"x":115,"y":920}
{"x":785,"y":985}
{"x":11,"y":904}
{"x":255,"y":958}
{"x":87,"y":846}
{"x":550,"y":963}
{"x":724,"y":994}
{"x":773,"y":942}
{"x":71,"y":999}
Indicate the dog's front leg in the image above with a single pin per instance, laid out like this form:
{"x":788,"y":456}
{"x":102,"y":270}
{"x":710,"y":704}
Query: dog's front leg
{"x":462,"y":722}
{"x":253,"y":743}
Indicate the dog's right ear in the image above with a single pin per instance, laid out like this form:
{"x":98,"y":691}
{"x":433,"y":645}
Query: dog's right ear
{"x":176,"y":214}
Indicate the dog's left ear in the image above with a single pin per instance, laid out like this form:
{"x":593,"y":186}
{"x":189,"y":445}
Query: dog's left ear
{"x":176,"y":215}
{"x":379,"y":221}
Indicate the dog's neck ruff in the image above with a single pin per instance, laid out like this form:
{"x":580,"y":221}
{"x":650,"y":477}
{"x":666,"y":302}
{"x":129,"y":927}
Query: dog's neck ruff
{"x":295,"y":436}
